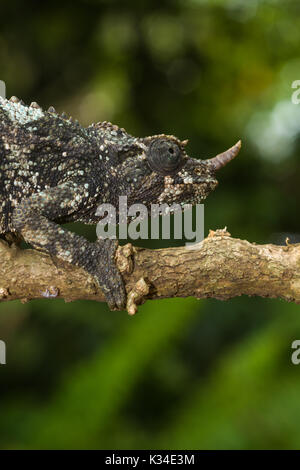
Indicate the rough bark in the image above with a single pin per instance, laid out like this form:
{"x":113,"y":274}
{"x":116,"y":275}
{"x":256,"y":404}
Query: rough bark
{"x":220,"y":266}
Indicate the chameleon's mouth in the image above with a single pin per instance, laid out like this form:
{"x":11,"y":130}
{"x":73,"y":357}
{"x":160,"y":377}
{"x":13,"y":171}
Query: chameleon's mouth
{"x":188,"y":193}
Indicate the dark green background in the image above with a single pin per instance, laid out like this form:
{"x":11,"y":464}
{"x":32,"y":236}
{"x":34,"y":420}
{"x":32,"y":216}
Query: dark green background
{"x":182,"y":373}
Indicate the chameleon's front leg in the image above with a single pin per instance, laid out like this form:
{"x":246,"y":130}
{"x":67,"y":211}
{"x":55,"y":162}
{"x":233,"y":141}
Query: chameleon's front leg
{"x":33,"y":219}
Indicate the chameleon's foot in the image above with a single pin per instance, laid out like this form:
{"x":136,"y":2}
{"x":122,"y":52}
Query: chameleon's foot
{"x":115,"y":294}
{"x":109,"y":277}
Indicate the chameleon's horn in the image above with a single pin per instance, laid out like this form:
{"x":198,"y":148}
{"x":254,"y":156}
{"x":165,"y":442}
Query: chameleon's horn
{"x":223,"y":158}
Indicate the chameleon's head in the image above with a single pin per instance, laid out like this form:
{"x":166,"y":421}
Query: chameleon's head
{"x":160,"y":171}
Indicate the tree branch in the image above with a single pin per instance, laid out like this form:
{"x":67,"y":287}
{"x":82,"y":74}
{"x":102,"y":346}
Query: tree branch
{"x":220,"y":266}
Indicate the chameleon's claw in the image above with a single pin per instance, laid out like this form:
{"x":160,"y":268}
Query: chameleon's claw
{"x":108,"y":275}
{"x":116,"y":297}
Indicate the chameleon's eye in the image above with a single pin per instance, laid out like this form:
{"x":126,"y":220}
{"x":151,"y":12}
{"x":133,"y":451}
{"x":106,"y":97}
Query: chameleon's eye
{"x":164,"y":156}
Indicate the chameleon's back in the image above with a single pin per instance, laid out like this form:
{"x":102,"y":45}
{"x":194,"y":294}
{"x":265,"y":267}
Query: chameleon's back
{"x":38,"y":150}
{"x":18,"y":177}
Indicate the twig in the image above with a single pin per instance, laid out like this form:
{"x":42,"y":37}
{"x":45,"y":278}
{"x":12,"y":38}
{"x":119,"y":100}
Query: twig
{"x":220,"y":266}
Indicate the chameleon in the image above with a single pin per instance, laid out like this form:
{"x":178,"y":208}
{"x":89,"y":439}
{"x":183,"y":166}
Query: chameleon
{"x":54,"y":171}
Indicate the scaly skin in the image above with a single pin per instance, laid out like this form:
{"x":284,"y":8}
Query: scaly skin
{"x":52,"y":171}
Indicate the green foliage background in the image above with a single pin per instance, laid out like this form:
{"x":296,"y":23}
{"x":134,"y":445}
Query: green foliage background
{"x":182,"y":373}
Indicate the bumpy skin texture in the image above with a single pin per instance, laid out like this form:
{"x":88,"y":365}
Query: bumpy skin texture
{"x":52,"y":171}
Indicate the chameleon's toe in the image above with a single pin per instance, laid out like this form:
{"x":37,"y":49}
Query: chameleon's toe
{"x":116,"y":298}
{"x":112,"y":285}
{"x":108,"y":276}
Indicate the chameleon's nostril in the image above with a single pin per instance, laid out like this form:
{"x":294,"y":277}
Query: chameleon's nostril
{"x":198,"y":171}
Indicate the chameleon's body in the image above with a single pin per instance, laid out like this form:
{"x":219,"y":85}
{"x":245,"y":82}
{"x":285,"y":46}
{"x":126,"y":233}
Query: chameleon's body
{"x":52,"y":170}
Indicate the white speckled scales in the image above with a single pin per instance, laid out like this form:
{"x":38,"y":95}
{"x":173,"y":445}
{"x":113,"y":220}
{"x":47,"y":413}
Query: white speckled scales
{"x":20,"y":114}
